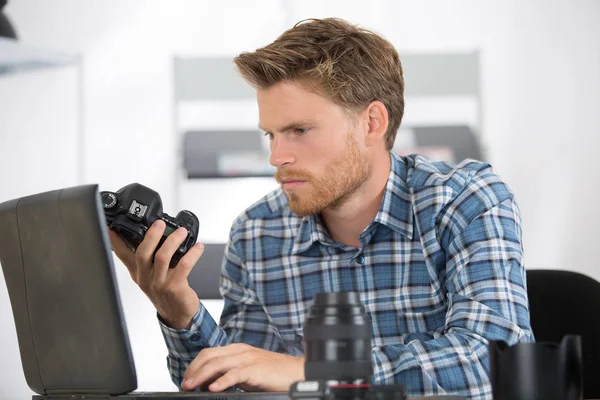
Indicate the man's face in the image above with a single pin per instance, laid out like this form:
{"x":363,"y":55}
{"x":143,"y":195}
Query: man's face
{"x":314,"y":146}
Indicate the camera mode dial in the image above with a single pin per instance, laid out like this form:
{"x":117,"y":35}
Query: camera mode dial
{"x":109,"y":200}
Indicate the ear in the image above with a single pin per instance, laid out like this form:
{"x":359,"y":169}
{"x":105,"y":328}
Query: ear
{"x":377,"y":123}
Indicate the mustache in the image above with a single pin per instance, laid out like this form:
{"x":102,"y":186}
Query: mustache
{"x":284,"y":175}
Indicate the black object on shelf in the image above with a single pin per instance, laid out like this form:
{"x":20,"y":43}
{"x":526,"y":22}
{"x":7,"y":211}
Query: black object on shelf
{"x":460,"y":139}
{"x":6,"y":28}
{"x":225,"y":154}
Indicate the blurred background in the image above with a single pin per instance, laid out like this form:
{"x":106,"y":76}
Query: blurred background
{"x":113,"y":92}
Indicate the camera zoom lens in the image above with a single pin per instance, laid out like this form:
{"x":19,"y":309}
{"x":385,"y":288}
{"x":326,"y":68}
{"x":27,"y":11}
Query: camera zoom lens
{"x":109,"y":200}
{"x":337,"y":335}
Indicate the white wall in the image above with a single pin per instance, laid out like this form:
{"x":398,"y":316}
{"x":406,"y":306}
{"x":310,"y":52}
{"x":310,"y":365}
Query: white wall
{"x":541,"y":90}
{"x":38,"y":152}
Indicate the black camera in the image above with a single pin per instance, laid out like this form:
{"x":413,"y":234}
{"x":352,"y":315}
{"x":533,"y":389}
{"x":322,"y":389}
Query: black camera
{"x":337,"y":344}
{"x":131,"y":210}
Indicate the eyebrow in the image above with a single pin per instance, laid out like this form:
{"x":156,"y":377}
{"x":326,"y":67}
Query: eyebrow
{"x":290,"y":126}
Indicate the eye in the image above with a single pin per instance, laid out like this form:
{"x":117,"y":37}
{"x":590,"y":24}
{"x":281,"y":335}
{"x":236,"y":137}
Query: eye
{"x":300,"y":131}
{"x":269,"y":134}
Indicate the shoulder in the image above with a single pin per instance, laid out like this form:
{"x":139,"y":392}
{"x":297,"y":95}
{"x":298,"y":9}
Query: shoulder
{"x":447,"y":198}
{"x":440,"y":183}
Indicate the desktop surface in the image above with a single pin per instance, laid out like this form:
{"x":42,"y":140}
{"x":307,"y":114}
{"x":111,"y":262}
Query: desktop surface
{"x":207,"y":396}
{"x":175,"y":396}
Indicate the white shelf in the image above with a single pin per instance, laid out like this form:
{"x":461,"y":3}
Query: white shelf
{"x":16,"y":57}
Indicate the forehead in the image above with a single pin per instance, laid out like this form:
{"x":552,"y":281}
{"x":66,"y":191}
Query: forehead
{"x":286,"y":102}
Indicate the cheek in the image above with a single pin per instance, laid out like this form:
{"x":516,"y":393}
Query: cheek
{"x":328,"y":149}
{"x":318,"y":160}
{"x":317,"y":152}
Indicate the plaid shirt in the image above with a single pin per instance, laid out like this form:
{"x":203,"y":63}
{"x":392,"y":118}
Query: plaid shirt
{"x":440,"y":272}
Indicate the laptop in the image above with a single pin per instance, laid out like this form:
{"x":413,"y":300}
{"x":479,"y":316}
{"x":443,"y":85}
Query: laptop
{"x":57,"y":263}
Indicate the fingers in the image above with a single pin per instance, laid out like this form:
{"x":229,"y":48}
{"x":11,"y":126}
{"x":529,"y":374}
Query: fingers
{"x":233,"y":377}
{"x":244,"y":366}
{"x":163,"y":256}
{"x":209,"y":354}
{"x":212,"y":363}
{"x":145,"y":250}
{"x":187,"y":262}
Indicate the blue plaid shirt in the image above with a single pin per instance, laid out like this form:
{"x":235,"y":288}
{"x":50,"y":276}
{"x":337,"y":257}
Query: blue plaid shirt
{"x":440,"y":272}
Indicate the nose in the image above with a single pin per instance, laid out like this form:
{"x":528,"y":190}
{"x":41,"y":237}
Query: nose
{"x":281,"y":153}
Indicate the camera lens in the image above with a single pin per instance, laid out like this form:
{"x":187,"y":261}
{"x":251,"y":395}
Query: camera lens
{"x":109,"y":200}
{"x":337,"y":335}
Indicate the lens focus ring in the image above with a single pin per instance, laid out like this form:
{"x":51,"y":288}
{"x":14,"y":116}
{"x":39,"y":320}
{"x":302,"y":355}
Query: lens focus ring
{"x":337,"y":335}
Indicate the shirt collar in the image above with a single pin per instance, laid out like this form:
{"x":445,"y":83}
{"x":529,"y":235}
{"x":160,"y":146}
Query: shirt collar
{"x":311,"y":230}
{"x":395,"y":211}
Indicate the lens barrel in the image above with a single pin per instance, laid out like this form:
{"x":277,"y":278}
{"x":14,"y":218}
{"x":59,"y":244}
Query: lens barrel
{"x":337,"y":336}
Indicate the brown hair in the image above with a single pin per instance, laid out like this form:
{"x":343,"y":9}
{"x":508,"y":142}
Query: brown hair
{"x":350,"y":65}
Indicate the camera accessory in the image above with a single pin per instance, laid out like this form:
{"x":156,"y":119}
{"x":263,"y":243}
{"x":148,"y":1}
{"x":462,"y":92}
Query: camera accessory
{"x":131,"y":210}
{"x":337,"y":344}
{"x":337,"y":335}
{"x":542,"y":370}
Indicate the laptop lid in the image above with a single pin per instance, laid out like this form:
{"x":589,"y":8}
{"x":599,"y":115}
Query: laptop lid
{"x":57,"y":263}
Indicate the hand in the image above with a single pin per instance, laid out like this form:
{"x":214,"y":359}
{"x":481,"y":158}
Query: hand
{"x":167,"y":288}
{"x":244,"y":366}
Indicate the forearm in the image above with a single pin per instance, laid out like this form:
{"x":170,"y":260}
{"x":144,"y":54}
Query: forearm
{"x":184,"y":345}
{"x":454,"y":360}
{"x":456,"y":363}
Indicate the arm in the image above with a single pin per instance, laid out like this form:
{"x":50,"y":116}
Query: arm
{"x":486,"y":300}
{"x":243,"y":320}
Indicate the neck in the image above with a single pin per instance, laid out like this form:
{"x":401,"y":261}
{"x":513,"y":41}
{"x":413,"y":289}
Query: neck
{"x":347,"y":222}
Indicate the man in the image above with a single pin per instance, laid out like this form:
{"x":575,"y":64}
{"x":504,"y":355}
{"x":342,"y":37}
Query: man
{"x":434,"y":250}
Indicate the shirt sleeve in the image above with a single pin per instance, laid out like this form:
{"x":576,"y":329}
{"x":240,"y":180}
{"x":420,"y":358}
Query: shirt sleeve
{"x":483,"y":276}
{"x":243,"y":320}
{"x":184,"y":345}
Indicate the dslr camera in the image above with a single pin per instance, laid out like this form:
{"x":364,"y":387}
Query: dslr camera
{"x":131,"y":210}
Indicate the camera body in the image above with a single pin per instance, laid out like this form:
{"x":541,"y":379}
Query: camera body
{"x":131,"y":210}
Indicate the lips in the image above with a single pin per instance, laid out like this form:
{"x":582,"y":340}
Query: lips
{"x":290,"y":184}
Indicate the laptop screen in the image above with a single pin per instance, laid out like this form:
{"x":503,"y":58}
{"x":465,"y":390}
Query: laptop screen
{"x":56,"y":259}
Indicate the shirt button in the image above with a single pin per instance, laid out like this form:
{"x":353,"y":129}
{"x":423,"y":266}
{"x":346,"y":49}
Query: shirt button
{"x":360,"y":260}
{"x":195,"y":337}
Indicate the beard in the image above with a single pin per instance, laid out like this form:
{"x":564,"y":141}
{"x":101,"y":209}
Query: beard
{"x":340,"y":180}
